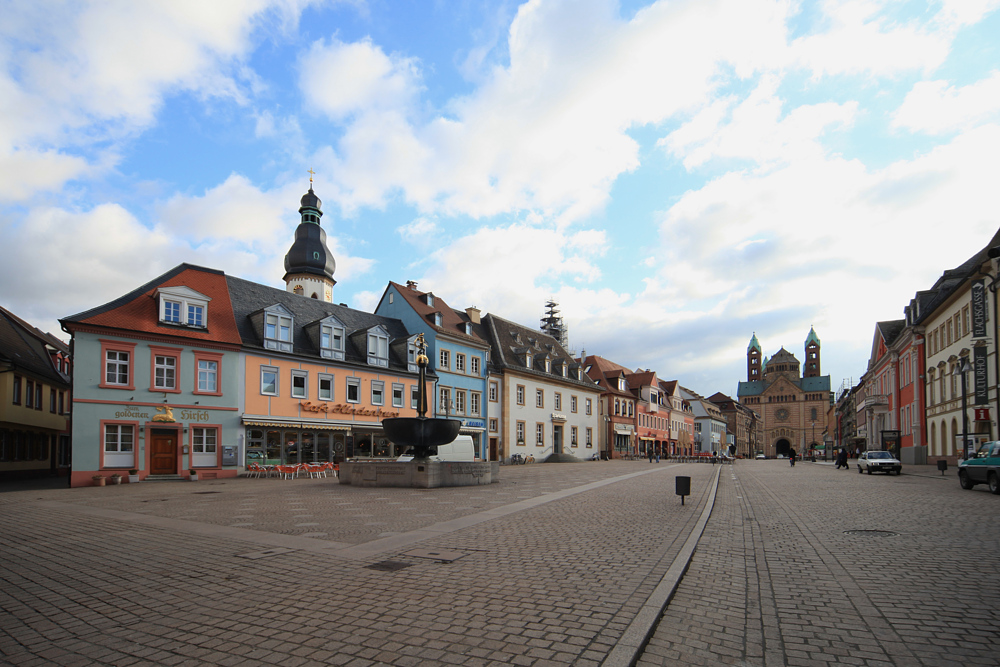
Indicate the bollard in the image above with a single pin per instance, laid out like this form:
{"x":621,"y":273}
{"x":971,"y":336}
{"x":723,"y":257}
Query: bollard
{"x":683,"y":487}
{"x":942,"y":465}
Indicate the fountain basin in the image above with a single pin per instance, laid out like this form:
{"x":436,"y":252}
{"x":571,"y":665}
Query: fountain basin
{"x":423,"y":434}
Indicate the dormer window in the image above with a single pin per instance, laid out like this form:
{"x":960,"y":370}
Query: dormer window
{"x":183,"y":306}
{"x":437,"y":319}
{"x":429,"y":299}
{"x":411,"y":355}
{"x":468,"y":328}
{"x":278,"y":323}
{"x":527,"y":359}
{"x":548,"y":365}
{"x":331,"y":341}
{"x":378,"y":347}
{"x":622,"y":385}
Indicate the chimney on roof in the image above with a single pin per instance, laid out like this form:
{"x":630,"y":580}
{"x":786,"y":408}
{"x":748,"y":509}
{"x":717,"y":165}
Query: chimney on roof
{"x":473,"y":314}
{"x":412,"y":285}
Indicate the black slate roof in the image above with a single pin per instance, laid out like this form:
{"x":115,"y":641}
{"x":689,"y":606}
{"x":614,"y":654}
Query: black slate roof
{"x":249,"y":297}
{"x":508,"y":339}
{"x":22,"y":347}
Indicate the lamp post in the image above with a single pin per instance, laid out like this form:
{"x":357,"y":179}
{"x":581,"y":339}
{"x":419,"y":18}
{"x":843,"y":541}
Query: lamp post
{"x":965,"y":410}
{"x":812,"y":442}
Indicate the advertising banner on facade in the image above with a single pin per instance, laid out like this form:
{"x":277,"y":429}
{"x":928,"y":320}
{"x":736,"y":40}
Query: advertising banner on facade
{"x":980,"y":376}
{"x":978,"y":309}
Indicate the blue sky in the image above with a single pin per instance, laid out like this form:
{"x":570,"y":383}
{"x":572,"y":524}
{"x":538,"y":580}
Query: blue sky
{"x":677,"y":175}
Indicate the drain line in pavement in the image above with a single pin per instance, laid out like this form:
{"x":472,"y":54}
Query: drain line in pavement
{"x":634,"y":639}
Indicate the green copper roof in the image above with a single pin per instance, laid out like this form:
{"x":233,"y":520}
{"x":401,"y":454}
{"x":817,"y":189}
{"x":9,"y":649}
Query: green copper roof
{"x":812,"y":337}
{"x":754,"y":344}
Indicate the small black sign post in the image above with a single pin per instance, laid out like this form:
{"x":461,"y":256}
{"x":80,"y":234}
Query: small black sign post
{"x":683,"y":487}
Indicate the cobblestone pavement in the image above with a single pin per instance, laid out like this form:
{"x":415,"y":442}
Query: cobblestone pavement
{"x":793,"y":569}
{"x":553,"y":565}
{"x":548,"y":566}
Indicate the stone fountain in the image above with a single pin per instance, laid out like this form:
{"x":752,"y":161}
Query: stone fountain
{"x":422,"y":434}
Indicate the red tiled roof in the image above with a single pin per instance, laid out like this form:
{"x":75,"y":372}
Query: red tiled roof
{"x":140,"y":312}
{"x":452,"y":322}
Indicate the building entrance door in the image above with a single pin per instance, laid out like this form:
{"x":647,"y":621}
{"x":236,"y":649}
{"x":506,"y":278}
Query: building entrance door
{"x":557,"y":432}
{"x":493,"y":450}
{"x":163,"y":452}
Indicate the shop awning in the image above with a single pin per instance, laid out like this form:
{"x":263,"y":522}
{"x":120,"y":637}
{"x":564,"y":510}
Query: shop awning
{"x":318,"y":426}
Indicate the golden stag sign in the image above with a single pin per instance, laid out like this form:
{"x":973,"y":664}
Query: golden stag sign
{"x":167,"y":414}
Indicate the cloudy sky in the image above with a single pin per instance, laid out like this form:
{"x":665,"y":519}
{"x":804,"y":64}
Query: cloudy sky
{"x":677,"y":175}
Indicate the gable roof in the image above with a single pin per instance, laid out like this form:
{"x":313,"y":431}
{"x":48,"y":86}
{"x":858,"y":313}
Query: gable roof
{"x":605,"y":373}
{"x":510,"y":342}
{"x":23,"y":347}
{"x":138,"y":310}
{"x":452,"y":321}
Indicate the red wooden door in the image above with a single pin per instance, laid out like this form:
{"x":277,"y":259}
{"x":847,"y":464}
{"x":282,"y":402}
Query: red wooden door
{"x":163,"y":454}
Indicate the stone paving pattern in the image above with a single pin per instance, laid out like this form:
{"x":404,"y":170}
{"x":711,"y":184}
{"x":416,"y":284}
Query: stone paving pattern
{"x":555,"y":561}
{"x":777,"y":579}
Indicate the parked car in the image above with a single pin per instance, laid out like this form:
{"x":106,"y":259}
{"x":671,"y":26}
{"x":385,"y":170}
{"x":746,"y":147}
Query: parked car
{"x":982,"y":468}
{"x":761,"y":456}
{"x":879,"y":462}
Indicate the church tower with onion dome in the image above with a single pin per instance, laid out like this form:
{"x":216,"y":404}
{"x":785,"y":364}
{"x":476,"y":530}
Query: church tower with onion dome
{"x":309,"y":264}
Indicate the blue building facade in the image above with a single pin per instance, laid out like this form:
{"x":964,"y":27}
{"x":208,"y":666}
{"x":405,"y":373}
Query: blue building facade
{"x":458,"y":351}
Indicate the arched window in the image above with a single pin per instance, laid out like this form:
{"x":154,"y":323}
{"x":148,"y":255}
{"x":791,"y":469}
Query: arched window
{"x":314,"y":296}
{"x":812,"y":414}
{"x":950,"y":445}
{"x":298,"y":289}
{"x":934,"y":449}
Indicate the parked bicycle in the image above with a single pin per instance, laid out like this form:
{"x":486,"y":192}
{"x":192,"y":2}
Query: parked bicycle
{"x":516,"y":459}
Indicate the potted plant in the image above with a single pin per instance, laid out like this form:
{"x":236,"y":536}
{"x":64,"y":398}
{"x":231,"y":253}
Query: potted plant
{"x":98,"y":480}
{"x":116,"y":479}
{"x":133,"y":476}
{"x":194,"y":475}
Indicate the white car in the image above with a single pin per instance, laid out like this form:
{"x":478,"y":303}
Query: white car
{"x":760,"y":457}
{"x":879,"y":462}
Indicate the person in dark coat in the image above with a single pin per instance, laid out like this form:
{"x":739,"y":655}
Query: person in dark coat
{"x":791,"y":457}
{"x":842,"y":460}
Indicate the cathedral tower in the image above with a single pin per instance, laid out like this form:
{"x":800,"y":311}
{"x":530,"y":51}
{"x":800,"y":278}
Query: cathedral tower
{"x":309,"y":265}
{"x":753,"y":360}
{"x":811,"y":369}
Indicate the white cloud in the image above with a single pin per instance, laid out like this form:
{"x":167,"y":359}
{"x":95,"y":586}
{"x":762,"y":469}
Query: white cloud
{"x":341,"y":79}
{"x":82,"y":74}
{"x":755,"y":130}
{"x":937,"y":108}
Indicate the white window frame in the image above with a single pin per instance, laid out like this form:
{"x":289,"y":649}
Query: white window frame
{"x":119,"y":450}
{"x":475,"y":403}
{"x":572,"y":404}
{"x":557,"y":401}
{"x":459,"y":362}
{"x":519,"y":394}
{"x":356,"y":384}
{"x":378,"y":392}
{"x":397,"y":395}
{"x":414,"y":397}
{"x":332,"y":337}
{"x":378,"y":347}
{"x":444,"y":400}
{"x":119,"y":363}
{"x":444,"y":359}
{"x":460,"y":395}
{"x":303,"y":391}
{"x":590,"y":436}
{"x":279,"y":326}
{"x":211,"y":370}
{"x":539,"y":398}
{"x":539,"y":434}
{"x":167,"y":368}
{"x":474,"y":365}
{"x":186,"y":302}
{"x":204,"y":447}
{"x":590,"y":406}
{"x":573,"y":437}
{"x":329,"y":378}
{"x":494,"y":392}
{"x":270,"y":370}
{"x":519,"y":433}
{"x":494,"y":425}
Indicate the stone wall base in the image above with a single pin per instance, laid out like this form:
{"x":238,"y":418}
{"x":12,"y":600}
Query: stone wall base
{"x":420,"y":474}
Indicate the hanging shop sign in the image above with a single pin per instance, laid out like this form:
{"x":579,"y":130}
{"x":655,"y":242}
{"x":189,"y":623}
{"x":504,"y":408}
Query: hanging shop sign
{"x":978,"y":309}
{"x":980,"y":378}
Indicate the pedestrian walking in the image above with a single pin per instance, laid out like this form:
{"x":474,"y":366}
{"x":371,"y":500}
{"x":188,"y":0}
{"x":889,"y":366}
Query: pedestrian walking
{"x":650,"y":455}
{"x":791,"y":457}
{"x":842,"y":460}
